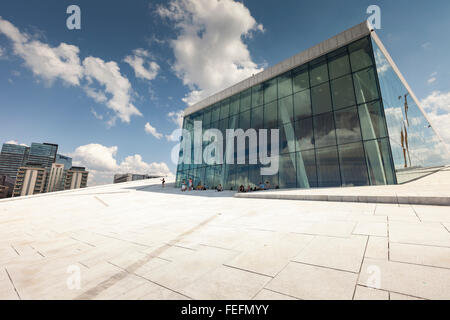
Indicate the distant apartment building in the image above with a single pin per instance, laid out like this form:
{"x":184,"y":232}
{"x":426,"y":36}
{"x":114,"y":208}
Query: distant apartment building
{"x":12,"y":157}
{"x":75,"y":178}
{"x":66,"y":161}
{"x":6,"y":186}
{"x":55,"y":178}
{"x":127,"y":177}
{"x":28,"y":164}
{"x":30,"y":180}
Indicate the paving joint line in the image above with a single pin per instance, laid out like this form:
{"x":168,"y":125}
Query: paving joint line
{"x":12,"y":282}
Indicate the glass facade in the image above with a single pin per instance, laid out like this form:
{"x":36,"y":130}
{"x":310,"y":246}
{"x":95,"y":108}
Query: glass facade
{"x":415,"y":145}
{"x":331,"y":121}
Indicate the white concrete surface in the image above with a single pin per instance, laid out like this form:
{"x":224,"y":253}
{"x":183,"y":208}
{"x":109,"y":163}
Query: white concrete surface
{"x":139,"y":241}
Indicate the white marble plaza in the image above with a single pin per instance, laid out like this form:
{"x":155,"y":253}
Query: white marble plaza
{"x":139,"y":241}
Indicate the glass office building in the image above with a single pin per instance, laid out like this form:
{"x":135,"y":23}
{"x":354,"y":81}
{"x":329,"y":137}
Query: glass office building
{"x":345,"y":114}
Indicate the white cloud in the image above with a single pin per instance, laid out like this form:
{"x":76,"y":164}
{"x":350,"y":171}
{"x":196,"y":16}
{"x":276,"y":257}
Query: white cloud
{"x":151,"y":130}
{"x":432,"y":78}
{"x":15,"y":142}
{"x":437,"y":107}
{"x":109,"y":76}
{"x":96,"y":115}
{"x":101,"y":163}
{"x":49,"y":63}
{"x":63,"y":63}
{"x":176,"y":117}
{"x":210,"y":52}
{"x":143,"y":68}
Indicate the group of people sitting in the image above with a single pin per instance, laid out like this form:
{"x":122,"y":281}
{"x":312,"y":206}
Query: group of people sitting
{"x":261,"y":186}
{"x":190,"y":186}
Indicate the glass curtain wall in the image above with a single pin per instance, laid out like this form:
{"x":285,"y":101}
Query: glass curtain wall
{"x":332,"y":128}
{"x":414,"y":143}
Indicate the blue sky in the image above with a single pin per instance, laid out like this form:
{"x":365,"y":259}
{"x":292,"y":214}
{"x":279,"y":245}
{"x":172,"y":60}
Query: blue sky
{"x":189,"y":50}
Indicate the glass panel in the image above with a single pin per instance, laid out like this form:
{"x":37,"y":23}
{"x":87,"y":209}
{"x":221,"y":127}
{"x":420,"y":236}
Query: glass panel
{"x":272,"y":180}
{"x":379,"y":162}
{"x":284,"y":85}
{"x":242,"y":176}
{"x":257,"y":118}
{"x":339,"y":66}
{"x":365,"y":85}
{"x":353,"y":165}
{"x":209,"y":177}
{"x":321,"y":99}
{"x":319,"y":73}
{"x":304,"y":134}
{"x":306,"y":169}
{"x":343,"y":93}
{"x":287,"y":139}
{"x":360,"y":54}
{"x":328,"y":167}
{"x":285,"y":110}
{"x":270,"y":90}
{"x":230,"y":177}
{"x":225,"y":109}
{"x":207,"y":118}
{"x":246,"y":100}
{"x":271,"y":115}
{"x":215,"y":113}
{"x":373,"y":124}
{"x":234,"y":104}
{"x":347,"y":126}
{"x":287,"y":168}
{"x":413,"y":140}
{"x":254,"y":175}
{"x":302,"y":105}
{"x":244,"y":120}
{"x":324,"y":132}
{"x":257,"y":95}
{"x":301,"y":79}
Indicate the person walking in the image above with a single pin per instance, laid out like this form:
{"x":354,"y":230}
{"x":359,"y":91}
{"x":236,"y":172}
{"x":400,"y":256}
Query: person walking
{"x":190,"y":184}
{"x":163,"y":182}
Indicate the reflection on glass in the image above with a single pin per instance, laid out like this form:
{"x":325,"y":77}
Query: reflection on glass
{"x":300,"y":79}
{"x":347,"y":125}
{"x":306,"y":169}
{"x":287,"y":138}
{"x":287,"y":169}
{"x":373,"y":124}
{"x":324,"y":130}
{"x":302,"y":105}
{"x":285,"y":110}
{"x":365,"y":85}
{"x":246,"y":100}
{"x":234,"y":104}
{"x":378,"y":162}
{"x":225,"y":109}
{"x":360,"y":54}
{"x":270,"y":90}
{"x":304,"y":134}
{"x":284,"y":85}
{"x":328,"y":167}
{"x":257,"y":118}
{"x":339,"y":66}
{"x":353,"y":165}
{"x":343,"y":93}
{"x":257,"y":95}
{"x":321,"y":98}
{"x":271,"y":115}
{"x":319,"y":73}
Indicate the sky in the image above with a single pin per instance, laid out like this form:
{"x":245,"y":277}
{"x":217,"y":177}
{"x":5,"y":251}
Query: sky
{"x":112,"y":93}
